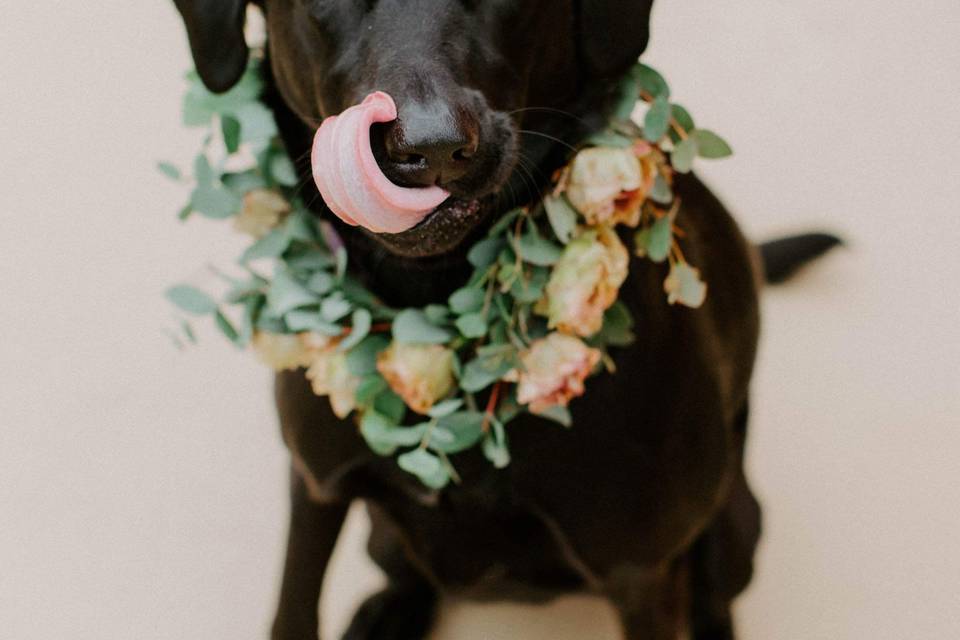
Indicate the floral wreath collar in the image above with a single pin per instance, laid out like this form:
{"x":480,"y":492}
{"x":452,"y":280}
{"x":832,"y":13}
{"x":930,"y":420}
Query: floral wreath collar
{"x":524,"y":332}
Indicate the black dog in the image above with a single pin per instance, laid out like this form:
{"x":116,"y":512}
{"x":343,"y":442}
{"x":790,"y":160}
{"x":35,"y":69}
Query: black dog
{"x":645,"y":500}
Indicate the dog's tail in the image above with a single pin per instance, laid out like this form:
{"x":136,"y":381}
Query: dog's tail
{"x":782,"y":257}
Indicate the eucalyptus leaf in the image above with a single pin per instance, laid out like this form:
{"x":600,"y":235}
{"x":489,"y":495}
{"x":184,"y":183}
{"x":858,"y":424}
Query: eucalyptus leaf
{"x":651,"y":81}
{"x":230,"y":127}
{"x":390,"y":405}
{"x":287,"y":293}
{"x":657,"y":120}
{"x":202,"y":171}
{"x":710,"y":145}
{"x":282,"y":170}
{"x":226,"y":327}
{"x":191,"y":300}
{"x":445,"y":408}
{"x":321,"y":283}
{"x":535,"y":249}
{"x":485,"y":252}
{"x":413,"y":326}
{"x":369,"y":387}
{"x":504,"y":222}
{"x":683,"y":118}
{"x":310,"y":320}
{"x":527,"y":290}
{"x":271,"y":245}
{"x":660,"y":239}
{"x":661,"y":193}
{"x":241,"y":183}
{"x":627,"y":98}
{"x":608,"y":138}
{"x":617,"y":328}
{"x":384,"y":436}
{"x":467,"y":300}
{"x":562,"y":217}
{"x":472,"y":325}
{"x":215,"y":202}
{"x":436,"y":313}
{"x":491,"y":364}
{"x":362,"y":359}
{"x":496,"y":453}
{"x":334,"y":307}
{"x":683,"y":155}
{"x":257,"y":126}
{"x":169,"y":170}
{"x":426,"y":466}
{"x":456,"y":432}
{"x":360,"y":323}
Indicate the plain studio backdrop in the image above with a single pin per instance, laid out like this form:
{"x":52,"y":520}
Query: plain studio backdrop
{"x":143,"y":489}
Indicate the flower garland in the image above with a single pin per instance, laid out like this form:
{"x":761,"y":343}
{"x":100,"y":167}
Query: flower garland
{"x":533,"y":322}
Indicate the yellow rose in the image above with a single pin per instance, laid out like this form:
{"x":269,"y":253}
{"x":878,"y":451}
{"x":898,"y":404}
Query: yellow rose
{"x":608,"y":185}
{"x":421,"y":374}
{"x":329,"y":375}
{"x":554,"y":370}
{"x":262,"y":210}
{"x":585,"y":282}
{"x":284,"y":351}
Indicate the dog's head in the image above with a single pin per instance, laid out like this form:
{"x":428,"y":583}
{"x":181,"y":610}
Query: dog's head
{"x":487,"y":91}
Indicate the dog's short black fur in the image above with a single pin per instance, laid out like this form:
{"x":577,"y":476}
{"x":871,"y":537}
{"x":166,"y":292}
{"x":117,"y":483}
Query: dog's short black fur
{"x":644,"y":500}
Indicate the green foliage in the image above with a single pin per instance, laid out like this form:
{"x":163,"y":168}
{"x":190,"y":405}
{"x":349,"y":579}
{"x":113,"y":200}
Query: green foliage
{"x":413,"y":326}
{"x":191,"y":300}
{"x":657,"y":120}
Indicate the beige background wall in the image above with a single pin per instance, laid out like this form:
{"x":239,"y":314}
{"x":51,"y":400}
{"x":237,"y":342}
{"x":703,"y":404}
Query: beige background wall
{"x":142,"y":490}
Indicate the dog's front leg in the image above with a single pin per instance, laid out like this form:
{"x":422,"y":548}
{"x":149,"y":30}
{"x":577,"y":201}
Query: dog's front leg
{"x":314,"y":528}
{"x":653,"y":603}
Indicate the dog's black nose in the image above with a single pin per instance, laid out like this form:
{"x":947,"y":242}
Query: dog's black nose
{"x":430,"y":144}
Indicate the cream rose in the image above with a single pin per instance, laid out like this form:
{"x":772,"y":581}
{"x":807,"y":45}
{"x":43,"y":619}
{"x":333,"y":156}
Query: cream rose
{"x":284,"y":351}
{"x":683,"y":285}
{"x":554,"y":370}
{"x":609,"y":185}
{"x":421,"y":374}
{"x":329,"y":375}
{"x":585,"y":282}
{"x":262,"y":210}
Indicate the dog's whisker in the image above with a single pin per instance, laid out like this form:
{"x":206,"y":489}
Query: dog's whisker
{"x":552,"y":110}
{"x":548,"y":137}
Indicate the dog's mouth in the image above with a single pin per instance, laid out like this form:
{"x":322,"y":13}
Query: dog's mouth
{"x":441,"y":231}
{"x":408,"y":219}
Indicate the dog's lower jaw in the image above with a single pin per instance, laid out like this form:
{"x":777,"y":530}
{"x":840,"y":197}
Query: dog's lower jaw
{"x":441,"y":232}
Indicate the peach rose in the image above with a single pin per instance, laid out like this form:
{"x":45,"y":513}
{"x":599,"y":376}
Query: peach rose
{"x":585,"y":282}
{"x":263,"y":209}
{"x":421,"y":374}
{"x":554,"y":369}
{"x":608,"y":185}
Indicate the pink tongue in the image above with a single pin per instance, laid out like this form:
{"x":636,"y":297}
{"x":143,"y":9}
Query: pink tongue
{"x":352,"y":184}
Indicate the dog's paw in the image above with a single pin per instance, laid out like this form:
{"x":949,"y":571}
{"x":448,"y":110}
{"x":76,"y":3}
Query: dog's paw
{"x":396,"y":613}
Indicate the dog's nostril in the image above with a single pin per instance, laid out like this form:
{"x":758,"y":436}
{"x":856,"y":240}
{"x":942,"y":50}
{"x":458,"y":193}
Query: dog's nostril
{"x":409,"y":158}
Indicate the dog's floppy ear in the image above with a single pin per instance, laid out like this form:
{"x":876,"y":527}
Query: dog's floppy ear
{"x":215,"y":30}
{"x":613,"y":34}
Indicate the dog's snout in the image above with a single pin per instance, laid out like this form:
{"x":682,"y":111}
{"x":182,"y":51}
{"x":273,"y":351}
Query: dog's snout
{"x":431,"y":144}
